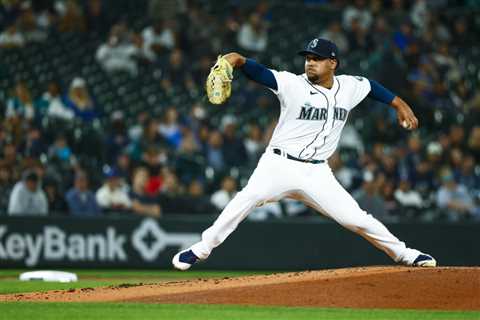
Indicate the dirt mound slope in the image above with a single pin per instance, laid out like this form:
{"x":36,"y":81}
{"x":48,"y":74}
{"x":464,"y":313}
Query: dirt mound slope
{"x":445,"y":288}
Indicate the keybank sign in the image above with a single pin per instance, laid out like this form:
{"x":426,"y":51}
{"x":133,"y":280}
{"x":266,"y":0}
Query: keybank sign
{"x":54,"y":243}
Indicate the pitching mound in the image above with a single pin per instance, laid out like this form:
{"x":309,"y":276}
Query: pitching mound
{"x":444,"y":288}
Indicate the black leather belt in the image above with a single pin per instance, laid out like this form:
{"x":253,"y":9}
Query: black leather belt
{"x":279,"y":152}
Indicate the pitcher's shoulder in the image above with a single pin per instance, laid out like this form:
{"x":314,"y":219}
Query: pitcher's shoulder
{"x":350,"y":78}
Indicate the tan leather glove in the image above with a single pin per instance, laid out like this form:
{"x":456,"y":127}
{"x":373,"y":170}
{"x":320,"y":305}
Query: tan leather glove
{"x":219,"y":81}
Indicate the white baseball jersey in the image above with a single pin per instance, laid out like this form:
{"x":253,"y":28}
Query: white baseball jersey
{"x":312,"y":117}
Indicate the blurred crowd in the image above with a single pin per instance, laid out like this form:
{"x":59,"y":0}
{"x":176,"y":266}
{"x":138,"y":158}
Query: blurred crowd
{"x":61,"y":153}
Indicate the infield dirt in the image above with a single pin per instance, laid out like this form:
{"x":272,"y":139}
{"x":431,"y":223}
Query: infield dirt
{"x":445,"y":288}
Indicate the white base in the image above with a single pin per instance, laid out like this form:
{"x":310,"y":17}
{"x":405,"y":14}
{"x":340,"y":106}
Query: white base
{"x":53,"y":276}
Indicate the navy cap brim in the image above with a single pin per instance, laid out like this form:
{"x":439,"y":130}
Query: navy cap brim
{"x":305,"y":52}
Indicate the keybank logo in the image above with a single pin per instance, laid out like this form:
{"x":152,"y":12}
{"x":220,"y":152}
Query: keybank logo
{"x":149,"y":239}
{"x":54,"y":244}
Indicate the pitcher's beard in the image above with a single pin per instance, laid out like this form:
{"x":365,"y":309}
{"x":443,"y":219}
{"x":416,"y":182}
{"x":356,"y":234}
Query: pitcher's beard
{"x":313,"y":78}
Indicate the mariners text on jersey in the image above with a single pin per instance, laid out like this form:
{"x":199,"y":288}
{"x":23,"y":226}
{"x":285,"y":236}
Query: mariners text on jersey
{"x":309,"y":112}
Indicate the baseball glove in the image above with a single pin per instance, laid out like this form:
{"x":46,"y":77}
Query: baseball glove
{"x":219,"y":81}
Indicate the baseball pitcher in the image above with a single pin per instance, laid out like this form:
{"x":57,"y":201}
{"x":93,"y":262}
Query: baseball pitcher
{"x":314,"y":107}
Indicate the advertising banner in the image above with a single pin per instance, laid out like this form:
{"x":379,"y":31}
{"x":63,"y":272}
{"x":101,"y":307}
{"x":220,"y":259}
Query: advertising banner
{"x":267,"y":245}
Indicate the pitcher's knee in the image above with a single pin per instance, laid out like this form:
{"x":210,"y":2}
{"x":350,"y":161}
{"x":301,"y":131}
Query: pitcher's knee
{"x":357,"y":222}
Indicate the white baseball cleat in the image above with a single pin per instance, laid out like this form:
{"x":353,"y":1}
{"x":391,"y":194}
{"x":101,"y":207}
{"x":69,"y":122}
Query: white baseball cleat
{"x":424,"y":260}
{"x":184,"y":260}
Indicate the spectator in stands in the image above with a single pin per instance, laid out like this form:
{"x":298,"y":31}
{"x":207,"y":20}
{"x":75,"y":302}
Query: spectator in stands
{"x":440,"y":31}
{"x":203,"y":136}
{"x":419,"y":14}
{"x":254,"y":144}
{"x":454,"y":199}
{"x":119,"y":53}
{"x":423,"y":179}
{"x":155,"y":158}
{"x":71,"y":18}
{"x":435,"y":155}
{"x":9,"y":12}
{"x":252,"y":35}
{"x":351,"y":139}
{"x":52,"y":102}
{"x":467,"y":175}
{"x":335,"y":34}
{"x":60,"y":152}
{"x":202,"y":69}
{"x":423,"y":79}
{"x":80,"y":199}
{"x":198,"y":201}
{"x":234,"y":152}
{"x":392,"y":206}
{"x":11,"y":157}
{"x":455,"y":159}
{"x":170,"y":128}
{"x":474,"y":143}
{"x":30,"y":26}
{"x":123,"y":165}
{"x":6,"y":184}
{"x":117,"y":139}
{"x":368,"y":196}
{"x":460,"y":35}
{"x":358,"y":37}
{"x":150,"y":138}
{"x":172,"y":196}
{"x":389,"y":167}
{"x":97,"y":16}
{"x":135,"y":131}
{"x":113,"y":195}
{"x":413,"y":155}
{"x":171,"y":185}
{"x":410,"y":200}
{"x":142,"y":203}
{"x":228,"y":190}
{"x":27,"y":197}
{"x":445,"y":63}
{"x":3,"y":140}
{"x":189,"y":162}
{"x":34,"y":145}
{"x":158,"y":9}
{"x":358,"y":11}
{"x":20,"y":104}
{"x":56,"y":202}
{"x":380,"y":35}
{"x":214,"y":150}
{"x":456,"y":136}
{"x":176,"y":74}
{"x":404,"y":36}
{"x":11,"y":38}
{"x":79,"y":100}
{"x":158,"y":39}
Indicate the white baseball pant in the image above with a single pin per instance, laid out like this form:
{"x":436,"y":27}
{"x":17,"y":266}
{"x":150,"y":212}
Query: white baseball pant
{"x":277,"y":177}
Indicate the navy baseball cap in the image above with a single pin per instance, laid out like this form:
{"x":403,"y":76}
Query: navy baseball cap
{"x":321,"y":48}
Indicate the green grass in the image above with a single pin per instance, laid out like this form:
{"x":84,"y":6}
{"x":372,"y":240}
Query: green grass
{"x":100,"y":278}
{"x":117,"y":311}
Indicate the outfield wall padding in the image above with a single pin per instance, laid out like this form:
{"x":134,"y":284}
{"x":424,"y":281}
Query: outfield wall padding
{"x":268,"y":245}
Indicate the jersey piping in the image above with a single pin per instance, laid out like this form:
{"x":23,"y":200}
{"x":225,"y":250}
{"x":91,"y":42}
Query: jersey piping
{"x":323,"y":127}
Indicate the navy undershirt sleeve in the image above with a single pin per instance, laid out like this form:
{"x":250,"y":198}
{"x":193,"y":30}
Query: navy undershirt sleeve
{"x":259,"y":73}
{"x":380,"y":93}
